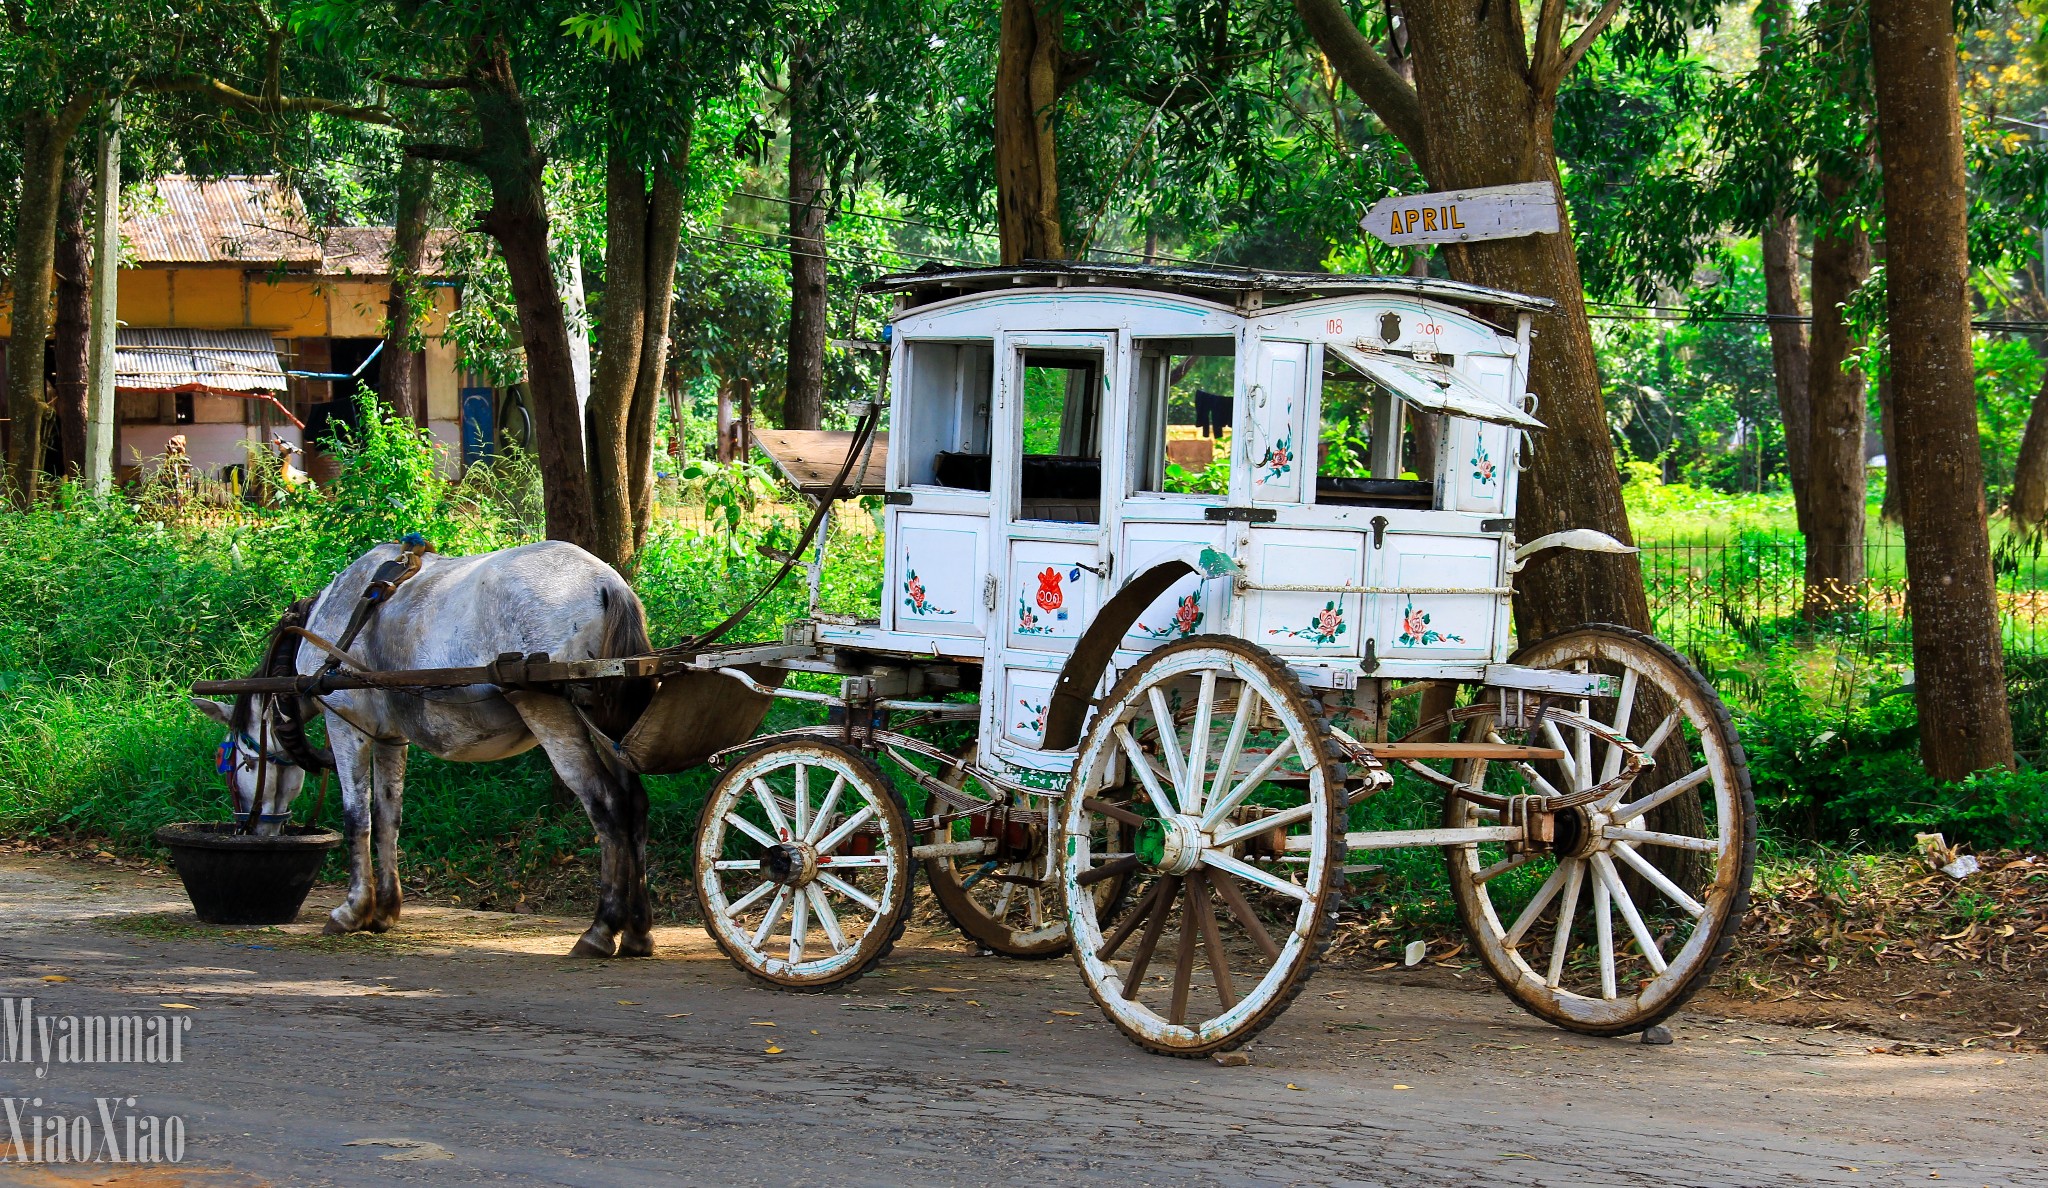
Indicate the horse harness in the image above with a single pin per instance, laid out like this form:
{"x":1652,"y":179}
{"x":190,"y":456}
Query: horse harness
{"x":290,"y":712}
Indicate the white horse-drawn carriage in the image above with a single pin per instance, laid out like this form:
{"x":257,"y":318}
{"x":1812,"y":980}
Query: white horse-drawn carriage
{"x":1180,"y":567}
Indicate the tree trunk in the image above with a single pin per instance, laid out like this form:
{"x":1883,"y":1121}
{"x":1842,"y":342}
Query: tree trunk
{"x":664,"y":242}
{"x":73,"y":264}
{"x":517,"y":219}
{"x":1027,"y":87}
{"x":1959,"y":667}
{"x":399,"y":375}
{"x":618,"y":360}
{"x":1834,"y":482}
{"x":1790,"y":361}
{"x":43,"y":144}
{"x":803,"y":400}
{"x":2027,"y":506}
{"x":1486,"y":125}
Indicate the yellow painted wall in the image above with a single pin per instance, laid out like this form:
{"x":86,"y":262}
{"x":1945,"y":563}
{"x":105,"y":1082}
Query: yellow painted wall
{"x":206,"y":298}
{"x":289,"y":308}
{"x":143,"y":296}
{"x":356,"y":309}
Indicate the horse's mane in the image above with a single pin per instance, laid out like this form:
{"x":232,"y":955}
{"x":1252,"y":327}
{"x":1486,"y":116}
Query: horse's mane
{"x":290,"y":712}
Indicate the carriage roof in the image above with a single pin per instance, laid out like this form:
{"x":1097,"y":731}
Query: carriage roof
{"x":1237,"y":287}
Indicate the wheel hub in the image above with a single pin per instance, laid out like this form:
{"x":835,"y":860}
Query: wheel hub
{"x":1578,"y":832}
{"x":792,"y":864}
{"x":1173,"y":845}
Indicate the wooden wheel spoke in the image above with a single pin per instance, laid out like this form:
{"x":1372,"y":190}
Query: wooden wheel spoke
{"x":980,"y":873}
{"x":1258,"y":825}
{"x":1108,"y":870}
{"x":1676,"y":841}
{"x":1652,"y":744}
{"x":803,"y":801}
{"x":1490,"y":873}
{"x":1169,"y":742}
{"x":1683,"y":784}
{"x":1253,"y":874}
{"x":1223,"y":806}
{"x":850,"y":891}
{"x":1565,"y":761}
{"x":799,"y":925}
{"x":1248,"y":701}
{"x":1001,"y":911}
{"x":1114,"y":812}
{"x":1658,"y":879}
{"x":1603,"y":930}
{"x":774,"y":916}
{"x":1247,"y":919}
{"x":1625,"y":706}
{"x":1192,"y":790}
{"x":828,"y":920}
{"x":1184,"y":958}
{"x":766,"y":797}
{"x":1212,"y":939}
{"x":833,"y":840}
{"x":749,"y":899}
{"x":1539,"y":901}
{"x":1034,"y":907}
{"x":1162,"y":906}
{"x":823,"y":816}
{"x":1140,"y":912}
{"x":1161,"y":804}
{"x":750,"y":829}
{"x":1567,"y":915}
{"x":1645,"y":942}
{"x":736,"y":864}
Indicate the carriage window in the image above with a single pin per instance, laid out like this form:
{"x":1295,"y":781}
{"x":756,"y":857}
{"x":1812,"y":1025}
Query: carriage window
{"x":943,"y":431}
{"x":1181,"y":413}
{"x":1061,"y":462}
{"x":1374,"y":449}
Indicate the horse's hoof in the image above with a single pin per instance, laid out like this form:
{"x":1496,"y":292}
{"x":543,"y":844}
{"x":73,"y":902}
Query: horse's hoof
{"x":334,"y":927}
{"x":584,"y":948}
{"x":377,"y":925}
{"x":637,"y":946}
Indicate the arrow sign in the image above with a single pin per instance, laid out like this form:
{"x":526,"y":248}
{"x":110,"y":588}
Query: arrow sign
{"x":1460,"y":216}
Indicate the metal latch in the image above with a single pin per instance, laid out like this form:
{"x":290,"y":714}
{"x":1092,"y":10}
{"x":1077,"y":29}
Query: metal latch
{"x":1248,"y":515}
{"x":1379,"y":531}
{"x":988,"y":592}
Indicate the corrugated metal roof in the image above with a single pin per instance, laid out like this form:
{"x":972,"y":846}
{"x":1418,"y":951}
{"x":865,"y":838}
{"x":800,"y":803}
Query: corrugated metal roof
{"x":366,"y":251}
{"x":239,"y":219}
{"x":174,"y":360}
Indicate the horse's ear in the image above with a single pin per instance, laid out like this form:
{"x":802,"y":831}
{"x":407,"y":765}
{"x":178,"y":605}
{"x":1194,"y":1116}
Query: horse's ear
{"x":219,"y":711}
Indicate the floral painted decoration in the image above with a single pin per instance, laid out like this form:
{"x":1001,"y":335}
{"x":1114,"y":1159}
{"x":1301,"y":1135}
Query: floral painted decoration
{"x":1187,"y":615}
{"x":1278,"y":459}
{"x":1033,"y":721}
{"x":1415,"y":630}
{"x":1323,"y":627}
{"x":914,"y":594}
{"x":1483,"y":467}
{"x":1028,"y":622}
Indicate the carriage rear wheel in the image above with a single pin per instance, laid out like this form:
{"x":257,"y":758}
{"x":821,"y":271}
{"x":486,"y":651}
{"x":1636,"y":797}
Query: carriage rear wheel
{"x":803,"y":864}
{"x":1632,"y":907}
{"x":1217,"y":766}
{"x":1006,"y":900}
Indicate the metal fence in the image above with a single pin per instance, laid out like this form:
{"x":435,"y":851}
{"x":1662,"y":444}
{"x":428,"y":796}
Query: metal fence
{"x":1728,"y":601}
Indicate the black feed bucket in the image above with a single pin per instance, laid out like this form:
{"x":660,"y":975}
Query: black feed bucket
{"x":238,"y":878}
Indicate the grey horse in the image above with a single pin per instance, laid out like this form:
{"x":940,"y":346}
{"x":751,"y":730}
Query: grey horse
{"x":550,"y":597}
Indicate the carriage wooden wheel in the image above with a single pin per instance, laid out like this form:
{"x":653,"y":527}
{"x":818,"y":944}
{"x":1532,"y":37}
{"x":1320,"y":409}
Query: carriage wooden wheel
{"x":803,"y":864}
{"x":1631,"y":906}
{"x":1216,"y":762}
{"x":1004,"y":897}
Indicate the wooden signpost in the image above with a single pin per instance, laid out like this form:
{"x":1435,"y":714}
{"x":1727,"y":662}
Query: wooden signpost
{"x":1460,"y":216}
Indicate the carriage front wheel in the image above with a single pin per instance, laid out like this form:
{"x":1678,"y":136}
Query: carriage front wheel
{"x":1632,"y":906}
{"x":1208,"y":785}
{"x":803,"y":864}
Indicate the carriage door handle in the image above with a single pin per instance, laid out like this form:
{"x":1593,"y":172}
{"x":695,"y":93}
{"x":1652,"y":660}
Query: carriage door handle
{"x":1100,"y":571}
{"x":1379,"y":531}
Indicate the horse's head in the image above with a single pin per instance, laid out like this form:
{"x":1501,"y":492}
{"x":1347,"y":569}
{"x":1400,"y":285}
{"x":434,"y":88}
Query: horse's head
{"x":253,"y":760}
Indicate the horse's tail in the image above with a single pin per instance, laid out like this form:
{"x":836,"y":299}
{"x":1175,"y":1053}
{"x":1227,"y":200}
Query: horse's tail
{"x":622,"y":632}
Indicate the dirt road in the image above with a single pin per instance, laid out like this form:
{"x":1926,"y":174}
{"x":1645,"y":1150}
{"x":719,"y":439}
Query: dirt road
{"x":463,"y":1048}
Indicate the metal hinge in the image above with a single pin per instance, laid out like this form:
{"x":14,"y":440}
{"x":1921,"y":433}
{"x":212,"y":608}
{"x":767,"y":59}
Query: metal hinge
{"x":988,"y":592}
{"x":1248,"y":515}
{"x":896,"y":498}
{"x":1379,"y":531}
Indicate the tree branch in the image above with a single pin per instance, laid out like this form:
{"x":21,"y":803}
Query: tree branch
{"x":1549,"y":43}
{"x":270,"y":104}
{"x":449,"y":83}
{"x":1580,"y":44}
{"x":457,"y":153}
{"x":1365,"y":71}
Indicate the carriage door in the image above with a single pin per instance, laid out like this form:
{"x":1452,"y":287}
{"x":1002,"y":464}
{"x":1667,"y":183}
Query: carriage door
{"x":1051,"y":490}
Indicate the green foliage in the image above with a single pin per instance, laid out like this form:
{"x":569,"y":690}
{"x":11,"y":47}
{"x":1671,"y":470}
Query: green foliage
{"x":2008,"y":380}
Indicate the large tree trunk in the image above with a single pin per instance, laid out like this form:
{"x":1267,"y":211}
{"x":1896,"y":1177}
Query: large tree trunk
{"x":1834,"y":483}
{"x":73,"y":262}
{"x":2027,"y":505}
{"x":1959,"y":667}
{"x":803,"y":400}
{"x":1027,"y":175}
{"x":664,"y":242}
{"x":1790,"y":360}
{"x":618,"y":360}
{"x":43,"y":145}
{"x":517,"y":219}
{"x":399,"y":375}
{"x":1486,"y":125}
